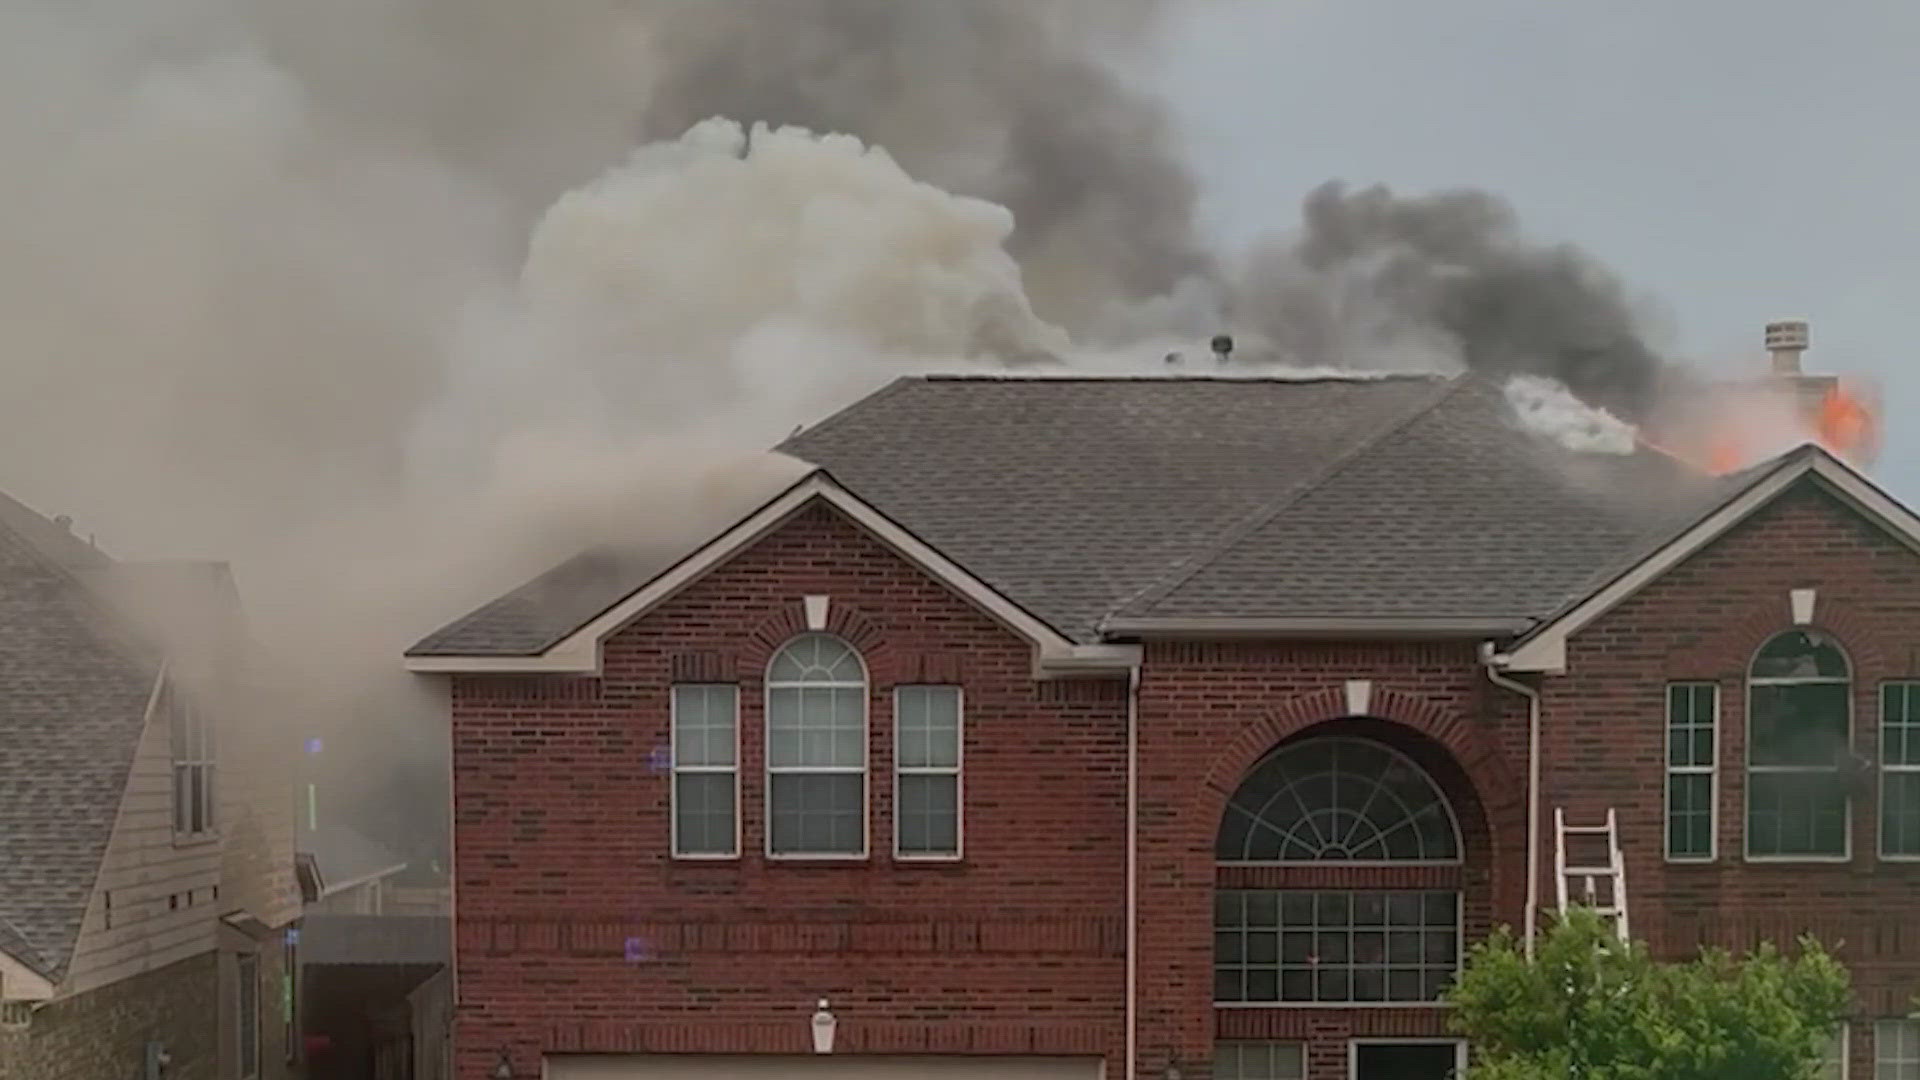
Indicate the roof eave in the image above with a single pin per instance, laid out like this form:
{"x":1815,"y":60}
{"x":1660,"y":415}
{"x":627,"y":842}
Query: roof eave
{"x":1320,"y":627}
{"x":1544,"y":649}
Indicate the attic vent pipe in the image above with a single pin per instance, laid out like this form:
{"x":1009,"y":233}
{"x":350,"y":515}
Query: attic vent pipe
{"x":1786,"y":341}
{"x":65,"y":523}
{"x":1222,"y":348}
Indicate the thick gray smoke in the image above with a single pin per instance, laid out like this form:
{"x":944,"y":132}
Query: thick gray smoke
{"x":1373,"y":278}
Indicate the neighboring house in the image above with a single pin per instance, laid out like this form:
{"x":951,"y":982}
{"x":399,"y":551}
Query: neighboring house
{"x":1149,"y":727}
{"x":146,"y":863}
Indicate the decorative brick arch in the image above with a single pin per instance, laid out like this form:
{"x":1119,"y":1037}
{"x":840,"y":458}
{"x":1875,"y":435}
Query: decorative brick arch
{"x":1500,"y":797}
{"x":1862,"y":645}
{"x":789,"y":621}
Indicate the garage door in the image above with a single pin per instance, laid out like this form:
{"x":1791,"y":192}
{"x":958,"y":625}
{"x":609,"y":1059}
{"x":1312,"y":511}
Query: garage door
{"x":820,"y":1067}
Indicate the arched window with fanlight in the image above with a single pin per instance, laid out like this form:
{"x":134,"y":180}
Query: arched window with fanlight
{"x":817,"y":750}
{"x":1799,"y":744}
{"x":1388,"y":932}
{"x":1337,"y":800}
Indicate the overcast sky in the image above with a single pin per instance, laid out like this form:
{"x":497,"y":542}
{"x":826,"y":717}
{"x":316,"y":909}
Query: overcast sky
{"x":1735,"y":160}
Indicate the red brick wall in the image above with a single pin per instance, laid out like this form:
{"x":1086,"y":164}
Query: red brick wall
{"x":562,"y":835}
{"x":1208,"y":713}
{"x":1703,"y":621}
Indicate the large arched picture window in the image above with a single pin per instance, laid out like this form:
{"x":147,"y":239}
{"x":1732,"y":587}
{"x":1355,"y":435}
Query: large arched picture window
{"x":1337,"y":800}
{"x":817,"y":749}
{"x":1799,"y":725}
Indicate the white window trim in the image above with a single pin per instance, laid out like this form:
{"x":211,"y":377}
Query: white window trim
{"x":177,"y":706}
{"x":1711,"y":770}
{"x":673,"y":784}
{"x":1746,"y":794}
{"x":1845,"y":1038}
{"x":1354,"y":1045}
{"x":1879,"y":1041}
{"x":1880,"y":794}
{"x":863,"y":770}
{"x":958,"y":771}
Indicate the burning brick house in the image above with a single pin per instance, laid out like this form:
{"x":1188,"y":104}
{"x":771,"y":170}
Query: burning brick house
{"x":1187,"y":726}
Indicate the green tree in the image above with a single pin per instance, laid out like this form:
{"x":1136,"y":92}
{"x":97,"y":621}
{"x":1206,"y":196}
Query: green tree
{"x":1589,"y":1007}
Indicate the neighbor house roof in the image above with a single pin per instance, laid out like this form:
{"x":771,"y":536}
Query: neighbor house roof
{"x":74,"y":693}
{"x":1112,"y":507}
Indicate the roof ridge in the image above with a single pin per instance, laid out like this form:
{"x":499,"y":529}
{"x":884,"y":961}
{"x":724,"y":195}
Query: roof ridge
{"x":1161,"y":587}
{"x":1304,"y":375}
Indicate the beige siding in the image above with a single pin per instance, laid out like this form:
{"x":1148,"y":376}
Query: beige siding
{"x":155,"y":902}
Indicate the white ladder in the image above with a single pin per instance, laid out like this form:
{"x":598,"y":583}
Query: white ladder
{"x":1611,"y":904}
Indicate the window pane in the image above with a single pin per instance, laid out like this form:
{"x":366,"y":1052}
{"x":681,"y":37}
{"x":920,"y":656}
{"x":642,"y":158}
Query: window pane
{"x":1896,"y":1050}
{"x":197,"y":801}
{"x":816,"y":658}
{"x":1259,"y":1061}
{"x":182,"y":799}
{"x":1833,"y":1059}
{"x":1796,"y":814}
{"x":817,"y":814}
{"x":1900,"y":724}
{"x":1317,"y":954}
{"x":929,"y":814}
{"x":929,"y":727}
{"x":704,"y":719}
{"x":1800,"y":654}
{"x":1900,"y":813}
{"x":1799,"y":725}
{"x":703,"y":813}
{"x":1689,"y":815}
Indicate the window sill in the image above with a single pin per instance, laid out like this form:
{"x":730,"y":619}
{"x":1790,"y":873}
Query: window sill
{"x":1802,"y":860}
{"x":194,"y":840}
{"x":1693,"y":860}
{"x":705,"y":860}
{"x":929,"y":860}
{"x":1333,"y":1005}
{"x":826,"y":860}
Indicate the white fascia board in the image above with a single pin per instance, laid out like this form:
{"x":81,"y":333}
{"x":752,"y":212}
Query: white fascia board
{"x":1333,"y":626}
{"x":363,"y":879}
{"x":579,"y":652}
{"x":1546,"y":649}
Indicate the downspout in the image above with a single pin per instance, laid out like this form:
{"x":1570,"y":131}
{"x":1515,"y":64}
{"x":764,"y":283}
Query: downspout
{"x":1133,"y":869}
{"x":1494,"y":661}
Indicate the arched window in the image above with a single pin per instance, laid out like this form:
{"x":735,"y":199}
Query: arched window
{"x":817,"y":749}
{"x":1799,"y":740}
{"x":1337,"y":800}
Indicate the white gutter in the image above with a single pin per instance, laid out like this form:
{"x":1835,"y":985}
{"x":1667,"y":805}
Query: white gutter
{"x":1133,"y":868}
{"x":1494,"y":661}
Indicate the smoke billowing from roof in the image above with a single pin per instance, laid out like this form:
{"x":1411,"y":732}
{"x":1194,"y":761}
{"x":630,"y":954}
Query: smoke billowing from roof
{"x":332,"y":290}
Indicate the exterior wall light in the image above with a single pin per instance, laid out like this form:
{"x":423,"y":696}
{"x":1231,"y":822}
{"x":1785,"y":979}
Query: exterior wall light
{"x":503,"y":1069}
{"x":824,"y":1024}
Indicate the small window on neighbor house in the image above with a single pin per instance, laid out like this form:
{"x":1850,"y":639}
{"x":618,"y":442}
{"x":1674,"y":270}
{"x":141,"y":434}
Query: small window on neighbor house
{"x":1896,"y":1050}
{"x":1798,"y":737}
{"x":193,"y":765}
{"x":1900,"y":770}
{"x":247,"y":1014}
{"x":1259,"y":1061}
{"x":1693,"y":713}
{"x":706,"y":781}
{"x":817,"y":749}
{"x":926,"y":804}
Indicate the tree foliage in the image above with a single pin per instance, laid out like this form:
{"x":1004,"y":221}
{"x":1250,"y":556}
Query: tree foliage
{"x":1589,"y":1007}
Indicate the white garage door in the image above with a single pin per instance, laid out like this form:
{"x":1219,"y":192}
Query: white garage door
{"x":820,"y":1067}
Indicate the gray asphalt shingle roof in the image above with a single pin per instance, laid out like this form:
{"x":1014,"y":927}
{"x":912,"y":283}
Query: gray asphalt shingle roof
{"x":1089,"y":498}
{"x":73,"y":698}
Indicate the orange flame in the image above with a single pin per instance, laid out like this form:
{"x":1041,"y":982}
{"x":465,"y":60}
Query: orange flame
{"x":1846,"y":424}
{"x":1731,"y":435}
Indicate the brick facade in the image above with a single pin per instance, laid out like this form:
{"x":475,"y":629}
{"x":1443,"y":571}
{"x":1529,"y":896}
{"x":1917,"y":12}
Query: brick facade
{"x":562,"y":815}
{"x":104,"y":1033}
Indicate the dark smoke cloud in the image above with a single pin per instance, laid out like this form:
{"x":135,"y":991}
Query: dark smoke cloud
{"x":1013,"y":101}
{"x":1375,"y":278}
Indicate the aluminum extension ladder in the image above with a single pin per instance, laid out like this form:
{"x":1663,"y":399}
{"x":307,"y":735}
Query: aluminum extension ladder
{"x":1585,"y":869}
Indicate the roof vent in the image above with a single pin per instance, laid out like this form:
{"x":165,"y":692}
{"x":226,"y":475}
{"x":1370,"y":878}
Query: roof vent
{"x":65,"y":523}
{"x":1786,"y":340}
{"x":1222,"y":347}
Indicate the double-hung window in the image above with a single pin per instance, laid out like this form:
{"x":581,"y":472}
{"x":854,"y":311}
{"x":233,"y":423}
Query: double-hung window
{"x":817,"y":750}
{"x":1900,"y":770}
{"x":706,"y":781}
{"x":926,"y":803}
{"x":193,"y":765}
{"x":1798,"y":739}
{"x":1693,"y":712}
{"x":1896,"y":1050}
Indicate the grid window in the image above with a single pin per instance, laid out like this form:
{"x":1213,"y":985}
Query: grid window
{"x":706,"y":779}
{"x":1798,"y":733}
{"x":817,"y":749}
{"x":927,"y":771}
{"x":1900,"y":770}
{"x":1295,"y":947}
{"x":1337,"y":800}
{"x":247,"y":1014}
{"x":1259,"y":1061}
{"x":193,"y":765}
{"x":1693,"y":711}
{"x":1896,"y":1050}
